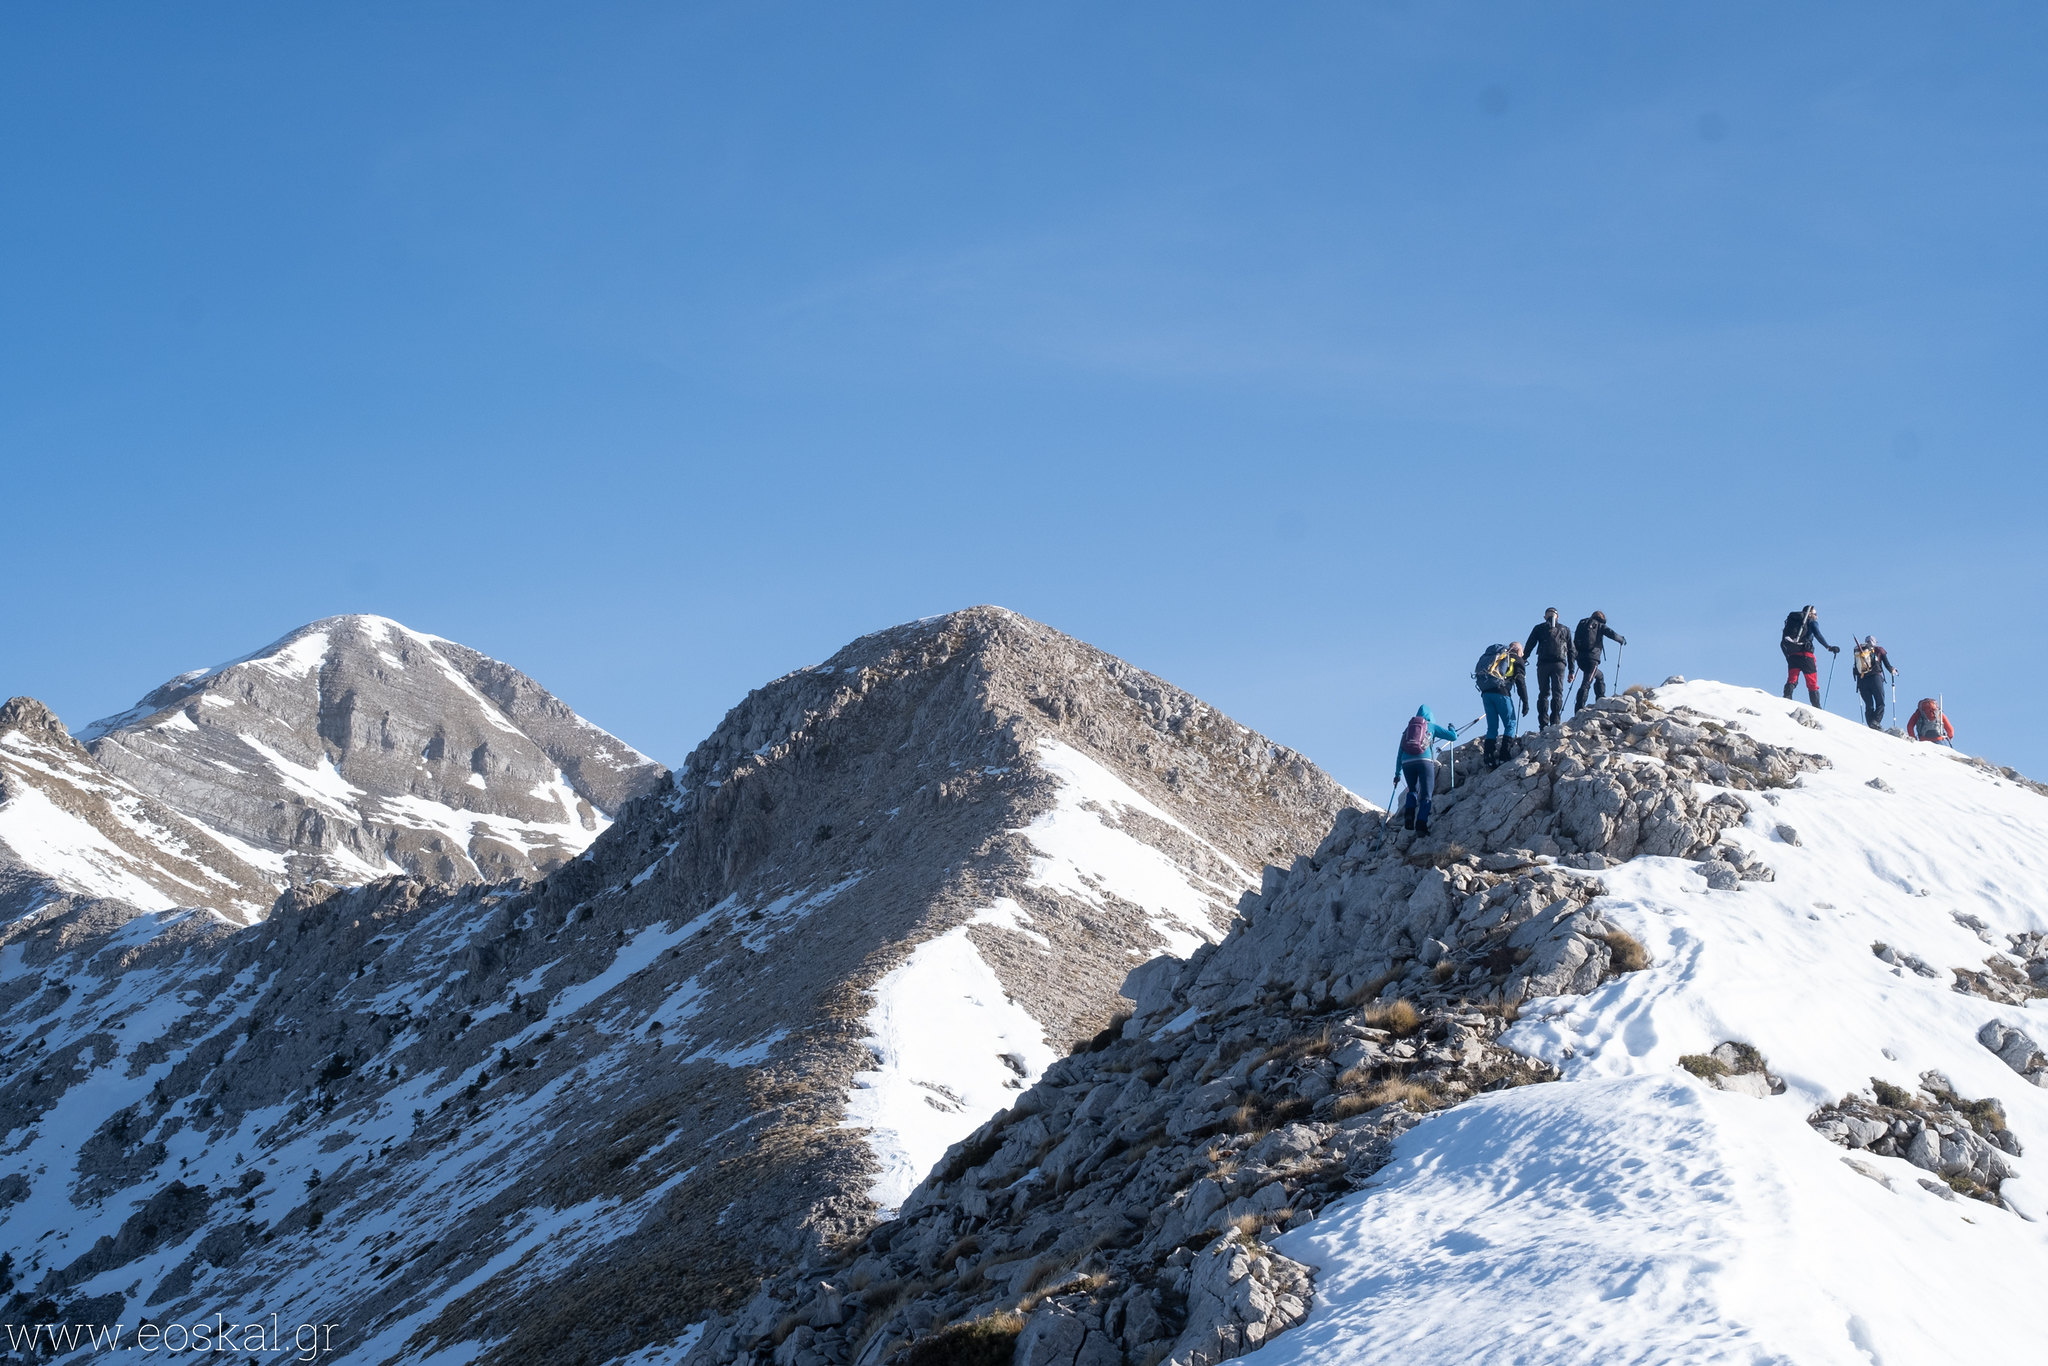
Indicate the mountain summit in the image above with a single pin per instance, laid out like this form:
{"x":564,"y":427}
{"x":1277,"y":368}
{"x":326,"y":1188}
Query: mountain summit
{"x":356,"y":748}
{"x":565,"y":1121}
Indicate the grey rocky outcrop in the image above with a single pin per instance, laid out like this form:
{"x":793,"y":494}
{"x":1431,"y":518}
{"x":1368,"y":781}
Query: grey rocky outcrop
{"x":355,"y":748}
{"x":71,"y":832}
{"x":2016,"y":1049}
{"x":386,"y":1091}
{"x":1963,"y":1143}
{"x":1735,"y":1066}
{"x":1122,"y":1205}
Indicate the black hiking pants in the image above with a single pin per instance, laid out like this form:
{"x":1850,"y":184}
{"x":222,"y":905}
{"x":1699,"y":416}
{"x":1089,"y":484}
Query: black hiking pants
{"x":1550,"y":693}
{"x":1870,"y":688}
{"x":1589,"y":678}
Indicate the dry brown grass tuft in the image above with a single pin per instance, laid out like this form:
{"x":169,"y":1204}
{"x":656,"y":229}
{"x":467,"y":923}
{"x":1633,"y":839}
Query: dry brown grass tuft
{"x":1399,"y":1018}
{"x":1371,"y":989}
{"x":1248,"y":1226}
{"x":1445,"y":969}
{"x":990,"y":1341}
{"x":1627,"y":952}
{"x":1417,"y":1095}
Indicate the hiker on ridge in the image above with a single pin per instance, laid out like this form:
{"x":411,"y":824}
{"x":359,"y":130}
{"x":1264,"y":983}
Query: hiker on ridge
{"x":1929,"y":722}
{"x":1871,"y":664}
{"x":1802,"y":633}
{"x":1500,"y":670}
{"x":1417,"y":766}
{"x":1589,"y":643}
{"x":1550,"y":646}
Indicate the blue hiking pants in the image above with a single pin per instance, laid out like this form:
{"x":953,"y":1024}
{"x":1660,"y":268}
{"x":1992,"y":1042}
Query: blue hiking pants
{"x":1421,"y":776}
{"x":1500,"y":714}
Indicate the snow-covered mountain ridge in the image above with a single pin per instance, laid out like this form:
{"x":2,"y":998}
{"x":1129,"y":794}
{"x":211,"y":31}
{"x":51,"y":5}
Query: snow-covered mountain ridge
{"x":1781,"y":968}
{"x":352,"y":749}
{"x":72,"y":831}
{"x":565,"y":1121}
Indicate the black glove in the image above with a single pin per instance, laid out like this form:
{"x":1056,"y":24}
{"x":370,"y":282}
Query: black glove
{"x":1834,"y":649}
{"x":1620,"y":640}
{"x":1525,"y":707}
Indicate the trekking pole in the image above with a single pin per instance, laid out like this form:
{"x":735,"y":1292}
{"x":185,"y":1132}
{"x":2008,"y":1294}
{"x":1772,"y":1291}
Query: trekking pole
{"x":1452,"y":786}
{"x":1618,"y":648}
{"x":1834,"y":658}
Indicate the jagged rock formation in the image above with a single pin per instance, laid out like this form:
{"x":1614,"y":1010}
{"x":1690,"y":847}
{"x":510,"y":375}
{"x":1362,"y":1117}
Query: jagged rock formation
{"x":71,"y":832}
{"x":1123,"y":1202}
{"x":558,"y":1122}
{"x":355,"y":748}
{"x":1964,"y":1143}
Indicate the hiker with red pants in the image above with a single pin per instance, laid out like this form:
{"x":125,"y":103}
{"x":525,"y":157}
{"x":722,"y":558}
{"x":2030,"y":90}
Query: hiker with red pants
{"x":1802,"y":633}
{"x":1414,"y":764}
{"x":1929,"y":722}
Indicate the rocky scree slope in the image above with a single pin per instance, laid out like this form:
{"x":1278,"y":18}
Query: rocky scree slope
{"x":567,"y":1121}
{"x":1122,"y":1210}
{"x":71,"y":832}
{"x":355,"y":748}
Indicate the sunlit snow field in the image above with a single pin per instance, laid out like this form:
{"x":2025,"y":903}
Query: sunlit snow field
{"x":1633,"y":1214}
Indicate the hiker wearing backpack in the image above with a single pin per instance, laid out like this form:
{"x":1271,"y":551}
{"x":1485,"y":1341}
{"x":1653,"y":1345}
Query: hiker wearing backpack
{"x":1871,"y":664}
{"x":1929,"y":722}
{"x":1550,"y":647}
{"x":1589,"y":643}
{"x":1414,"y":764}
{"x":1500,"y":671}
{"x":1801,"y":634}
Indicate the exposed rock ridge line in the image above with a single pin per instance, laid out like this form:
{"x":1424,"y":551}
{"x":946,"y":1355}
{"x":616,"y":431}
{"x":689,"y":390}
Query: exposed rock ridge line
{"x":1117,"y":1211}
{"x":566,"y":1120}
{"x":355,"y":748}
{"x":71,"y":832}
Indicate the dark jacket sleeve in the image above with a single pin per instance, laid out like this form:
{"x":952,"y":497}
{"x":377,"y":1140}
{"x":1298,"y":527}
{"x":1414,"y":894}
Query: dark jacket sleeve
{"x":1535,"y":640}
{"x":1813,"y":633}
{"x":1608,"y":631}
{"x":1522,"y":685}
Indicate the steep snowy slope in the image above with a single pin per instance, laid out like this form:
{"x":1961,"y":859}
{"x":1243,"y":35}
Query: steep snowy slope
{"x":565,"y":1122}
{"x":70,"y":830}
{"x":1775,"y":977}
{"x":1634,"y":1214}
{"x":355,"y":748}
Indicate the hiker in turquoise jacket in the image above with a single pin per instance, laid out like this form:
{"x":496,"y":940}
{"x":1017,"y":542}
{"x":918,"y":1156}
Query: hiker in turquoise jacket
{"x":1418,"y":769}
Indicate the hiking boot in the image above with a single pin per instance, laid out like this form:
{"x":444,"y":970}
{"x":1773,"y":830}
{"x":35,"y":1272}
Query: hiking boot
{"x":1788,"y":692}
{"x":1408,"y":819}
{"x":1421,"y":832}
{"x":1813,"y":696}
{"x":1491,"y":746}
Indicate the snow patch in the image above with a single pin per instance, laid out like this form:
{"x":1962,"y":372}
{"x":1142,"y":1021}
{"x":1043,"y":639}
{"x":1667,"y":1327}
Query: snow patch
{"x":941,"y":1030}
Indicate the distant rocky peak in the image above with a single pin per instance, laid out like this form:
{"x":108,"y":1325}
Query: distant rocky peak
{"x":356,"y":747}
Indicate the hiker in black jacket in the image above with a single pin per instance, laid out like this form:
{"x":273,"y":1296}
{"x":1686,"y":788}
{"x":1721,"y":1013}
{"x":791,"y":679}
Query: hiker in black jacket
{"x":1801,"y":634}
{"x":1549,"y":649}
{"x":1589,"y":643}
{"x":1872,"y":663}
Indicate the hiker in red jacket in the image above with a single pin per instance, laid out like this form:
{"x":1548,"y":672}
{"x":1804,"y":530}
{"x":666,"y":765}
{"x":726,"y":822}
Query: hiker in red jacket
{"x":1929,"y":723}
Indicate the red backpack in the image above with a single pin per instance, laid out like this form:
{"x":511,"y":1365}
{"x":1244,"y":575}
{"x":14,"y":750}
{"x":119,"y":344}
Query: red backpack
{"x":1415,"y":739}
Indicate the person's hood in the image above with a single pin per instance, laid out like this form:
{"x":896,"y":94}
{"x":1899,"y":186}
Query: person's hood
{"x":1427,"y":715}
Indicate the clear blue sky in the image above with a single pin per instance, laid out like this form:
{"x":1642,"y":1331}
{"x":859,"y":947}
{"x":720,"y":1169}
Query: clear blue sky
{"x":1292,"y":352}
